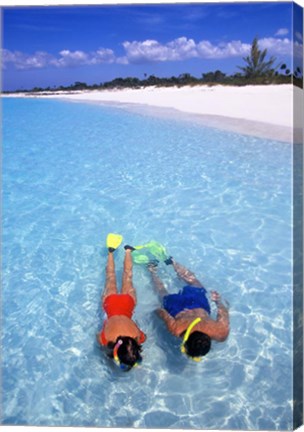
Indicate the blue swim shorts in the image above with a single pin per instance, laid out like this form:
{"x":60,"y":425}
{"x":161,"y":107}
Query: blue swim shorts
{"x":189,"y":297}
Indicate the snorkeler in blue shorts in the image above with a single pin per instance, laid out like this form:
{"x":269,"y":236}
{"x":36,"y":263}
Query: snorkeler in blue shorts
{"x":187,"y":313}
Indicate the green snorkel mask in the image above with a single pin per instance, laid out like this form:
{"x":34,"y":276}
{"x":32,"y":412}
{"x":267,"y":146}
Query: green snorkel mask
{"x":186,"y":337}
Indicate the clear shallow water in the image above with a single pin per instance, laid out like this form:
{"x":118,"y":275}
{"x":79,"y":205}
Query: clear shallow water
{"x":221,"y":204}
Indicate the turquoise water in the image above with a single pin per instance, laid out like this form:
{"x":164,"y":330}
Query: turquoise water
{"x":221,"y":204}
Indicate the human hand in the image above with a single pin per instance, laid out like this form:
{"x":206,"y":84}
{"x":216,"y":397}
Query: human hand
{"x":215,"y":296}
{"x":152,"y":266}
{"x":162,"y":313}
{"x":159,"y":311}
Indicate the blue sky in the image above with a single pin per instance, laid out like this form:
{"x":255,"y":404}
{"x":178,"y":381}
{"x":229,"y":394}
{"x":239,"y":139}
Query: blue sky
{"x":50,"y":46}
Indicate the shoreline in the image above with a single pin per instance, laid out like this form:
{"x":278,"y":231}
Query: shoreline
{"x":224,"y":123}
{"x":264,"y":111}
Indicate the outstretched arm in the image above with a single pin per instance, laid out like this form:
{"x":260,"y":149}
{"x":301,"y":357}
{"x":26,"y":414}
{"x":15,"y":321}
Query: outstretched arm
{"x":222,"y":319}
{"x":157,"y":282}
{"x":169,"y":320}
{"x":186,"y":275}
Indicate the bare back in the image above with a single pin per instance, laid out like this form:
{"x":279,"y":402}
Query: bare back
{"x":120,"y":325}
{"x":216,"y":329}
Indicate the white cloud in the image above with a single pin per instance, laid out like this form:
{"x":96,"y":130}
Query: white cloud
{"x":151,"y":50}
{"x":23,"y":61}
{"x":224,"y":50}
{"x":65,"y":58}
{"x":78,"y":58}
{"x":298,"y":51}
{"x":70,"y":58}
{"x":282,"y":32}
{"x":299,"y":36}
{"x":104,"y":55}
{"x":148,"y":51}
{"x":182,"y":49}
{"x":122,"y":60}
{"x":276,"y":46}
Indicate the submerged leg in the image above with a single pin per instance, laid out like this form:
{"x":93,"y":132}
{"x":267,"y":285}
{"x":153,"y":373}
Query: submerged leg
{"x":186,"y":275}
{"x":157,"y":282}
{"x":127,"y":284}
{"x":110,"y":285}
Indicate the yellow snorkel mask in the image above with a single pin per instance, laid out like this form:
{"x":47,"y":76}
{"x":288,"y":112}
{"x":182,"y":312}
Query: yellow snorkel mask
{"x":186,"y":337}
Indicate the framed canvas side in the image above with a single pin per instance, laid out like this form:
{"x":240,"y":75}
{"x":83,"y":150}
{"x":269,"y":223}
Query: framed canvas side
{"x":298,"y":110}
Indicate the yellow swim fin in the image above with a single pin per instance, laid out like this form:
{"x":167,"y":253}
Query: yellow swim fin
{"x":113,"y":241}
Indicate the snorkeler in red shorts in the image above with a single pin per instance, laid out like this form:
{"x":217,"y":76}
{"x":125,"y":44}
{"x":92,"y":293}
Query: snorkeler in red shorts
{"x":120,"y":334}
{"x":187,"y":313}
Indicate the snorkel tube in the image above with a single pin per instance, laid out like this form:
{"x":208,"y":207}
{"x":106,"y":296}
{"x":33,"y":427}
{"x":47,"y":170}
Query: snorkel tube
{"x":186,"y":337}
{"x":115,"y":350}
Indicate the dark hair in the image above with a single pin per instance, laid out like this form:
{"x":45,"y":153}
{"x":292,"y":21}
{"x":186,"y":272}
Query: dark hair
{"x":128,"y":352}
{"x":198,"y":344}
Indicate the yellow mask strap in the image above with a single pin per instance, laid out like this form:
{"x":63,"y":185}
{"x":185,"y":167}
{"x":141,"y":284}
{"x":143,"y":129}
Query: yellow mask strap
{"x":186,"y":337}
{"x":116,"y":358}
{"x":115,"y":354}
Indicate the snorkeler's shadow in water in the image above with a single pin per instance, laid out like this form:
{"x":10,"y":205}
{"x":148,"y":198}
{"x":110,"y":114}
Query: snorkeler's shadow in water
{"x":169,"y":344}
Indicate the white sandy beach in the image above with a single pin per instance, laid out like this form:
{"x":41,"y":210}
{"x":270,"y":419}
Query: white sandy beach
{"x":265,"y":111}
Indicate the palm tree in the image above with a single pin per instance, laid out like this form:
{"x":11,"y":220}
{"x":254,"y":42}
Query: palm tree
{"x":256,"y":65}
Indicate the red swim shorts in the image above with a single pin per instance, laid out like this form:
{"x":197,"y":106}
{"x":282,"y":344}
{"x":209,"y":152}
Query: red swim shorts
{"x":119,"y":304}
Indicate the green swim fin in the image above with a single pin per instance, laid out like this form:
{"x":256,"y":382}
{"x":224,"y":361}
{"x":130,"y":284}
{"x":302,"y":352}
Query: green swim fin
{"x":157,"y":250}
{"x":154,"y":248}
{"x":139,"y":258}
{"x":113,"y":241}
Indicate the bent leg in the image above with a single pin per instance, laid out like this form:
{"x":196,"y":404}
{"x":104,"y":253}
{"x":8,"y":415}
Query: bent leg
{"x":186,"y":275}
{"x":157,"y":282}
{"x":110,"y":285}
{"x":127,"y":284}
